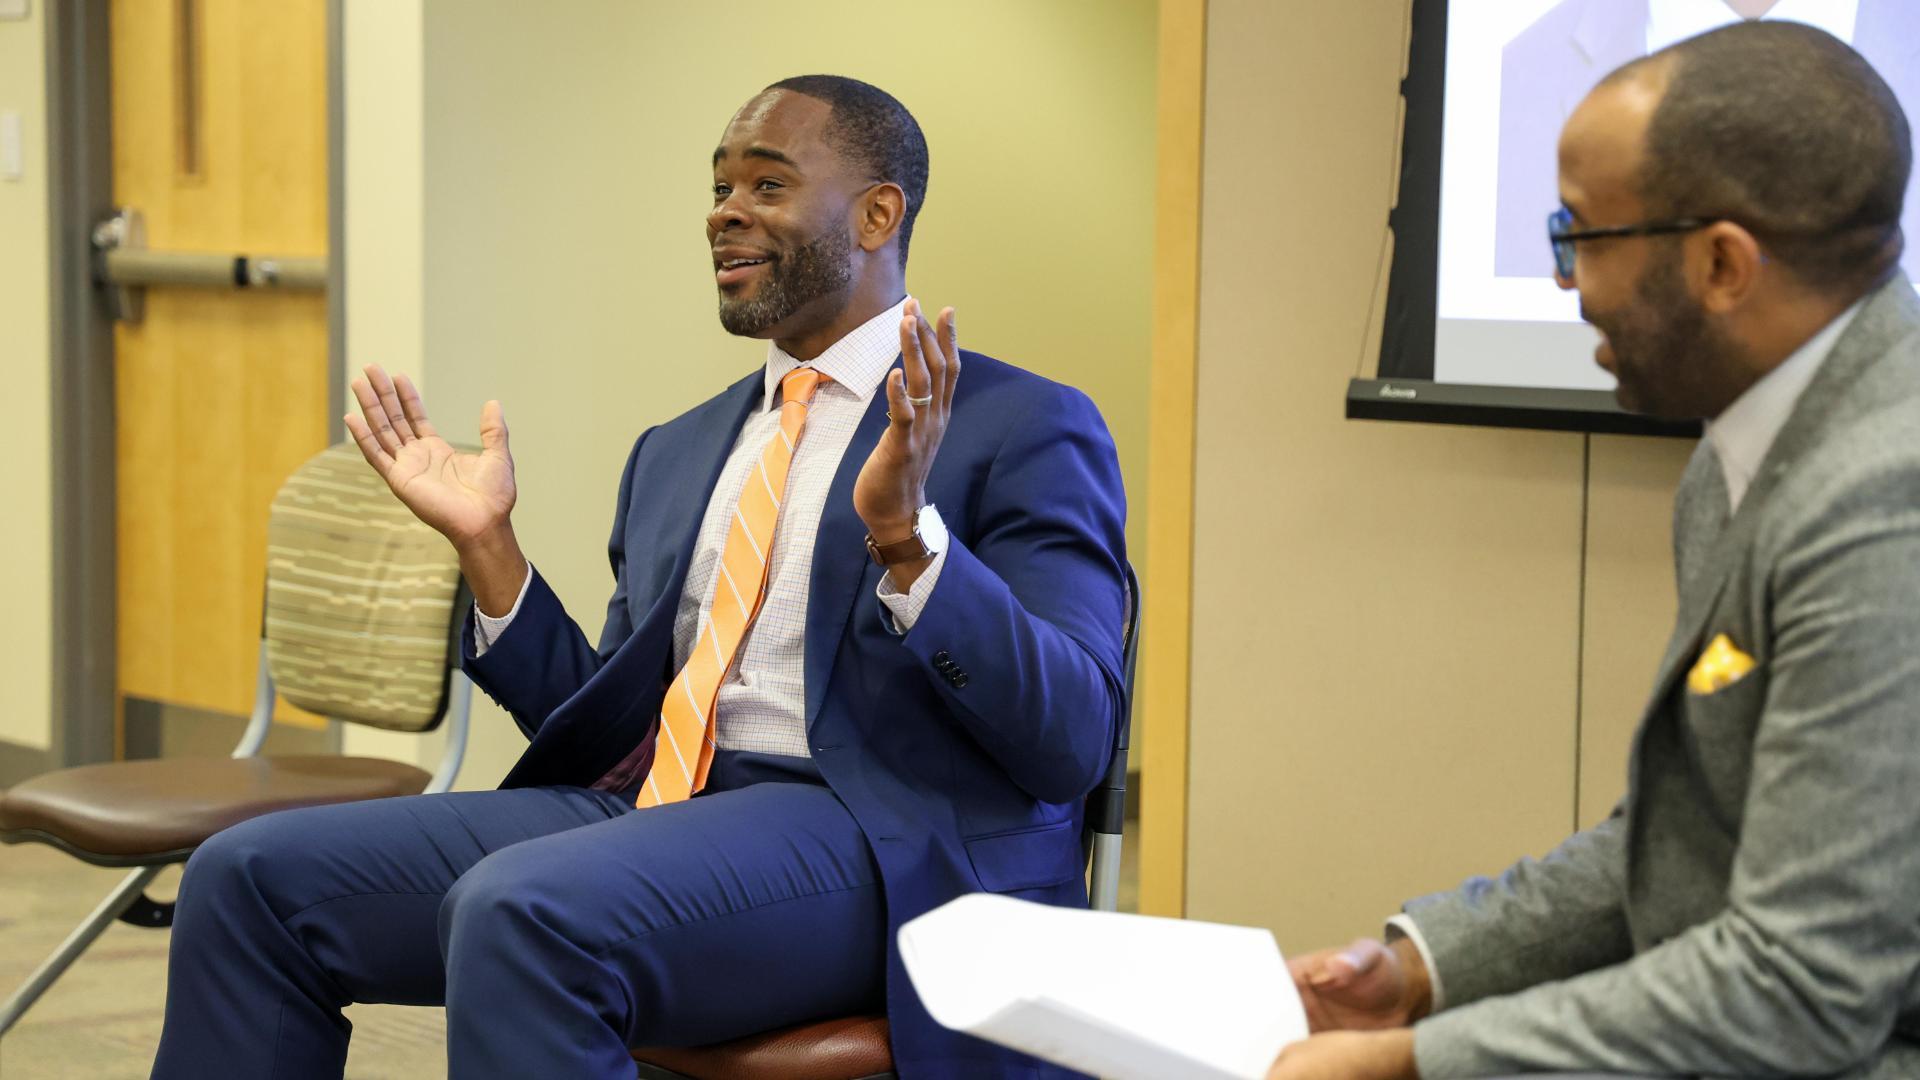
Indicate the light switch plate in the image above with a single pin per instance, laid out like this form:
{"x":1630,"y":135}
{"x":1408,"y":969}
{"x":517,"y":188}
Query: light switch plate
{"x":14,"y":9}
{"x":12,"y":152}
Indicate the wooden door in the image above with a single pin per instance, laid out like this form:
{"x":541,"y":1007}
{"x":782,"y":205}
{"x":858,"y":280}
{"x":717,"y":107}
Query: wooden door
{"x":220,"y":140}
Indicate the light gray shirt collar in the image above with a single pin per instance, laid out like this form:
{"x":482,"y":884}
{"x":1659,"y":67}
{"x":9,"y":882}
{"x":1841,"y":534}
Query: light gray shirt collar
{"x":1743,"y":433}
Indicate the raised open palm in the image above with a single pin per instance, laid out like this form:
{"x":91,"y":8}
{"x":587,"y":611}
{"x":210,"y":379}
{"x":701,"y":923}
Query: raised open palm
{"x":892,"y":484}
{"x":463,"y":495}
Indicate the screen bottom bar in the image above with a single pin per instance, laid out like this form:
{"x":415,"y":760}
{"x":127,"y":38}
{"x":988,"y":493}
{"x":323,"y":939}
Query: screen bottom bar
{"x":1427,"y":402}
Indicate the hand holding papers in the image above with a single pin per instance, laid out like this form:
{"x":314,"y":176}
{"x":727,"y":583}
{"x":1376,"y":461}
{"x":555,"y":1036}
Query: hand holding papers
{"x":1127,"y":997}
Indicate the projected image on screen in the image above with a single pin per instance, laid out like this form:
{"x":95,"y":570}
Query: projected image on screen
{"x":1501,"y":320}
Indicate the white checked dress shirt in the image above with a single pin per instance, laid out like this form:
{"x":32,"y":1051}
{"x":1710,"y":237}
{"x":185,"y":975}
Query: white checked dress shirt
{"x":762,"y":702}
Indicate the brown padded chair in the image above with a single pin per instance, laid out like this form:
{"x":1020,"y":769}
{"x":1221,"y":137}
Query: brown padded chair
{"x":362,"y":606}
{"x":857,"y":1048}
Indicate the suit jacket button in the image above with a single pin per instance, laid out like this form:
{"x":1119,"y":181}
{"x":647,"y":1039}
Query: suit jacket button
{"x":959,"y":679}
{"x":941,"y":659}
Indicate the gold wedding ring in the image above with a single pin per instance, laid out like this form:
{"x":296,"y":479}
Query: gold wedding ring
{"x":919,"y":401}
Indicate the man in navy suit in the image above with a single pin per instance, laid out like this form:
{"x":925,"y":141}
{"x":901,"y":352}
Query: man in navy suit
{"x":915,"y":712}
{"x":1550,"y":66}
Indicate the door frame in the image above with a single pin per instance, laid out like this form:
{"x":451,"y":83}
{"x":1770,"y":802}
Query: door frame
{"x":85,"y":723}
{"x":80,"y":192}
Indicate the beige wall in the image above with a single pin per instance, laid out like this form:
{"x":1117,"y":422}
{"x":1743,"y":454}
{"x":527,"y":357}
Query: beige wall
{"x":1391,"y":685}
{"x":1391,"y":689}
{"x":26,"y":359}
{"x":1629,"y":604}
{"x":383,"y":173}
{"x":383,"y":83}
{"x":564,"y":181}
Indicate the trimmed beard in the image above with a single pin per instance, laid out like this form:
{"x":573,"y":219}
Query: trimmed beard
{"x":820,"y":267}
{"x":1670,"y":361}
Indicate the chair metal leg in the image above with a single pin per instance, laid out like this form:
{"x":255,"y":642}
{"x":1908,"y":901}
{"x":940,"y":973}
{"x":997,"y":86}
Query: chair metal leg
{"x":122,"y":897}
{"x":1104,"y":892}
{"x":459,"y":708}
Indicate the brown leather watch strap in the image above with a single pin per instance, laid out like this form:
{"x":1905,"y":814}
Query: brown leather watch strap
{"x":912,"y":549}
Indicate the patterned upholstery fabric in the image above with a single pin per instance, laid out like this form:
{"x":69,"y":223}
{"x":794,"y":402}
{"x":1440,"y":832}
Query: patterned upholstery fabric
{"x":360,"y":597}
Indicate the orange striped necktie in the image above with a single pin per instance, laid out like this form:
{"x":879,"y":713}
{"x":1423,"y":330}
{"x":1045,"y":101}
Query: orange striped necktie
{"x":683,"y":749}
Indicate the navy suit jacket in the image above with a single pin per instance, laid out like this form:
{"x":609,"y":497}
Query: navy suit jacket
{"x":1548,"y":68}
{"x":960,"y":784}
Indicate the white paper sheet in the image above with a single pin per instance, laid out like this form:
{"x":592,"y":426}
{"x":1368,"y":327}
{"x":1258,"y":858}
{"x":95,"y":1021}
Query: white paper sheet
{"x":1128,"y":997}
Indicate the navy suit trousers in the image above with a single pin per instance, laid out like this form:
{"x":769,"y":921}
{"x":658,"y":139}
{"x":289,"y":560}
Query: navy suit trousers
{"x":558,"y":925}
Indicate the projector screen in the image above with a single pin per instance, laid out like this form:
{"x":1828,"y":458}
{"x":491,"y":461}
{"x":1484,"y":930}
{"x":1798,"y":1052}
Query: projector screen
{"x":1477,"y":330}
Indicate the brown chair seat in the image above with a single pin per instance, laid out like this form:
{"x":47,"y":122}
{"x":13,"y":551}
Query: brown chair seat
{"x":850,"y":1048}
{"x":140,"y":812}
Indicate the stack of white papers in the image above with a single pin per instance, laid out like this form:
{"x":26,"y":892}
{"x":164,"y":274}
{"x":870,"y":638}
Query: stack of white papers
{"x":1128,"y":997}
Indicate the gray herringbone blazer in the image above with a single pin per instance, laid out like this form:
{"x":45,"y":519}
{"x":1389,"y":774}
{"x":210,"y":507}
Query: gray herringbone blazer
{"x":1753,"y":906}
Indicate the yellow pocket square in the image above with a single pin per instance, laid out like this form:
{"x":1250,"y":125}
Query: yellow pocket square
{"x":1721,"y":665}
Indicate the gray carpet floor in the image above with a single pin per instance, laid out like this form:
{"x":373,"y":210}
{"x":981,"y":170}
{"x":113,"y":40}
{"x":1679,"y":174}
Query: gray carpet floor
{"x":101,"y":1021}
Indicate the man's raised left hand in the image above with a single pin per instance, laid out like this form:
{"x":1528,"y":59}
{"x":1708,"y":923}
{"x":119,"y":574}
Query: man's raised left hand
{"x":892,"y":486}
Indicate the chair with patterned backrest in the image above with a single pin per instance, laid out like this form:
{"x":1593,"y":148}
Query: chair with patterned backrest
{"x":363,"y":603}
{"x":856,"y":1048}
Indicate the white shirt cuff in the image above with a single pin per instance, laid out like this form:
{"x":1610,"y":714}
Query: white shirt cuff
{"x":1404,"y":926}
{"x":487,"y":629}
{"x":904,"y":608}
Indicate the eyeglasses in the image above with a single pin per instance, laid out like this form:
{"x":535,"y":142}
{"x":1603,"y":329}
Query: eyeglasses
{"x":1562,"y":235}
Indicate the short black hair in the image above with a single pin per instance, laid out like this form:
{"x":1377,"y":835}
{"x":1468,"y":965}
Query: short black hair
{"x":872,"y":129}
{"x":1786,"y":130}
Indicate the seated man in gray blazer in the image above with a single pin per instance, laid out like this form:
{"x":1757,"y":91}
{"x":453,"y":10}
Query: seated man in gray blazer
{"x":1752,"y":907}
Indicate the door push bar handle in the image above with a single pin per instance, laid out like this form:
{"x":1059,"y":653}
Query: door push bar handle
{"x":136,"y":268}
{"x":124,"y":267}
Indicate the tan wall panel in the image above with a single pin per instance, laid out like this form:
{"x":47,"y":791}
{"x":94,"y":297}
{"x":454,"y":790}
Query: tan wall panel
{"x":383,"y":70}
{"x":1630,"y":602}
{"x":26,"y":461}
{"x":383,"y":79}
{"x":1160,"y":702}
{"x":1385,"y":616}
{"x":567,"y":178}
